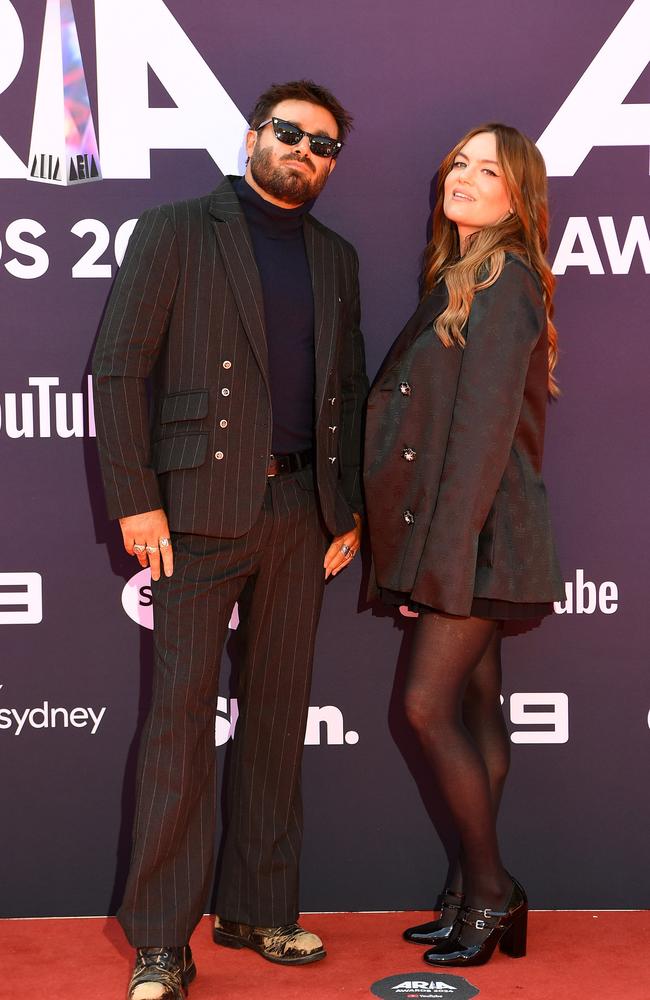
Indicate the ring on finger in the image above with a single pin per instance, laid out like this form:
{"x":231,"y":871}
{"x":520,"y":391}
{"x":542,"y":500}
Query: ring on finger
{"x":152,"y":548}
{"x":139,"y":548}
{"x":164,"y":542}
{"x":350,"y":554}
{"x":345,"y":549}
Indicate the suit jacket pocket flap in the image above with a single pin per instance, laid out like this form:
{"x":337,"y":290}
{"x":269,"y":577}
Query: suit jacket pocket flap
{"x":187,"y":451}
{"x":191,"y":405}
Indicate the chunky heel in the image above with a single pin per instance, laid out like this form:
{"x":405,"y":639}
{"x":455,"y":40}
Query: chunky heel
{"x":513,"y":942}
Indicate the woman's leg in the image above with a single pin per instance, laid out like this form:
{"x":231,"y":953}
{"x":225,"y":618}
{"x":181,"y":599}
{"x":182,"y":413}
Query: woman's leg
{"x":447,"y":651}
{"x":483,"y":717}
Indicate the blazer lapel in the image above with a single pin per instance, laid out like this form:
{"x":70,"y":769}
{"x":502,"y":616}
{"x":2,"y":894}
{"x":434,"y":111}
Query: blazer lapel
{"x":322,"y":264}
{"x":424,"y":315}
{"x":237,"y":253}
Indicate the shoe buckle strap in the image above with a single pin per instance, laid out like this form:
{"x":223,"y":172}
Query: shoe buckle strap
{"x":488,"y":918}
{"x":448,"y":900}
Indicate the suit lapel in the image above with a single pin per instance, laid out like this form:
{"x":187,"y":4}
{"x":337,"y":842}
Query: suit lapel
{"x":237,"y":253}
{"x":320,"y":254}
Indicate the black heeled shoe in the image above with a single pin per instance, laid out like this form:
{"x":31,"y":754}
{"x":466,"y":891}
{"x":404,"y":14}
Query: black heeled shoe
{"x":437,"y":930}
{"x":506,"y":928}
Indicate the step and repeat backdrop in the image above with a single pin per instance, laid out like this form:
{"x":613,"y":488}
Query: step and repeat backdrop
{"x":108,"y":108}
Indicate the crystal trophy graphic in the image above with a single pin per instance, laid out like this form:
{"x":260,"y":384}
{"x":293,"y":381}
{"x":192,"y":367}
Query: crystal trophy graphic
{"x":64,"y":147}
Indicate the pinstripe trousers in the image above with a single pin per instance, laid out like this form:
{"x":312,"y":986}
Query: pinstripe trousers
{"x":275,"y":571}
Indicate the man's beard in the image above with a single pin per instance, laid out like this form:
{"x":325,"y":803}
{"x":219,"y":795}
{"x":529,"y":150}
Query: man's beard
{"x":282,"y":183}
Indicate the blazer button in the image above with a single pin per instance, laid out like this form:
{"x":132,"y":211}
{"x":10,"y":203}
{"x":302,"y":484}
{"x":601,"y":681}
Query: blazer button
{"x":332,"y":399}
{"x":223,"y":423}
{"x":409,"y":516}
{"x":218,"y":455}
{"x":405,"y":388}
{"x":227,"y":364}
{"x":332,"y":459}
{"x":409,"y":454}
{"x":225,"y":392}
{"x":333,"y":428}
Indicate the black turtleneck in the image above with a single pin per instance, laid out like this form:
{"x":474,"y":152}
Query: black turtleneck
{"x":279,"y":248}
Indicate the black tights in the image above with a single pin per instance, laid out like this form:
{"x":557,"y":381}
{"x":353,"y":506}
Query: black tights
{"x":452,"y":700}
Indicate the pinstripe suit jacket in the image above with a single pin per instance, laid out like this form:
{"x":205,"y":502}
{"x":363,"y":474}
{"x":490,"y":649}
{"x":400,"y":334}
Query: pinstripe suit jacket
{"x":187,"y":311}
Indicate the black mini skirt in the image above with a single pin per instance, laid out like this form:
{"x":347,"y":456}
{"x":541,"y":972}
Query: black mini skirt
{"x":482,"y":607}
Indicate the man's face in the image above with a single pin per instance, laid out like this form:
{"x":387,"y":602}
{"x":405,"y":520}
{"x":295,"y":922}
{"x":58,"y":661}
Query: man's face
{"x":291,"y":175}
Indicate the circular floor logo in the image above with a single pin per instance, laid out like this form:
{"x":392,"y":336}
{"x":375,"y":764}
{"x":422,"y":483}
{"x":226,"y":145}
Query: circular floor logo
{"x":419,"y":986}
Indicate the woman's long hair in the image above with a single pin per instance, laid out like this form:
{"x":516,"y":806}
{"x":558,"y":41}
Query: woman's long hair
{"x":523,"y":232}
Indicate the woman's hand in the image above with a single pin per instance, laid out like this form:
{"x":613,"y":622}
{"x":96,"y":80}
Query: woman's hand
{"x":343,"y":549}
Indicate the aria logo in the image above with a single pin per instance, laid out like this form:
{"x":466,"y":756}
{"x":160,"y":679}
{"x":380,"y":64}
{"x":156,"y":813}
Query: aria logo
{"x":64,"y":147}
{"x":414,"y":986}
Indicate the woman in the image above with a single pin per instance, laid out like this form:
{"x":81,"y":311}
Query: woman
{"x":457,"y":509}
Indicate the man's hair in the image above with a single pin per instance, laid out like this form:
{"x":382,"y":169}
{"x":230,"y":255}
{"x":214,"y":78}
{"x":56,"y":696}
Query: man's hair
{"x":301,"y":90}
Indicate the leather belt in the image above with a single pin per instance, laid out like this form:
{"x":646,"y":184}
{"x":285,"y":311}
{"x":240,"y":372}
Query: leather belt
{"x":293,"y":462}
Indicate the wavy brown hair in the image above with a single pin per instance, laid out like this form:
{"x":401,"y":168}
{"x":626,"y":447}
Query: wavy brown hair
{"x":523,"y":232}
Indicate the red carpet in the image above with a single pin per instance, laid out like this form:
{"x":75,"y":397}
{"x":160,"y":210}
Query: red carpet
{"x":571,"y":955}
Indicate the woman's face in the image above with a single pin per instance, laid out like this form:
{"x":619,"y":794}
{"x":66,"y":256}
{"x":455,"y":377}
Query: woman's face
{"x":475,"y":192}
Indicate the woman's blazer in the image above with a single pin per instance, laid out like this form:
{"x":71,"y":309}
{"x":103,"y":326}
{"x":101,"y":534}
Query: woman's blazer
{"x":454,"y":440}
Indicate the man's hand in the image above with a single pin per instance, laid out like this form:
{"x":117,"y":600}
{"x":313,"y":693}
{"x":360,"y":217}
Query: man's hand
{"x":146,"y":536}
{"x":343,"y":549}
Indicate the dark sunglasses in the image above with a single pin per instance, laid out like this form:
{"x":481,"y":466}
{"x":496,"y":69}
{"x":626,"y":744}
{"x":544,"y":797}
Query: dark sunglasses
{"x":290,"y":134}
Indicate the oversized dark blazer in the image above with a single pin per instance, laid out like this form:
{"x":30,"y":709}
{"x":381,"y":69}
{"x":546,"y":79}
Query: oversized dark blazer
{"x":187,"y":312}
{"x":454,"y":494}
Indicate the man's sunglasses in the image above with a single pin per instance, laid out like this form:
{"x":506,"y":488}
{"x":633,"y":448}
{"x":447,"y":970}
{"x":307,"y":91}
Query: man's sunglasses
{"x":290,"y":134}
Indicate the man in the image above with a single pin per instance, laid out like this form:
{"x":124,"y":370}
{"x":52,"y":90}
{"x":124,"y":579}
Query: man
{"x":241,"y":485}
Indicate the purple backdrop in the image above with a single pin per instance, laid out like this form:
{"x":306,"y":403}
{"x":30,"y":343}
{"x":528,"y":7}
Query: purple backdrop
{"x":416,"y":76}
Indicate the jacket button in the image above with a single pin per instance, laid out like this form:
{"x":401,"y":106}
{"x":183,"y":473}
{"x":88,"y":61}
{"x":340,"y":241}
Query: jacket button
{"x":223,"y":423}
{"x":218,"y":455}
{"x":332,"y":399}
{"x":225,"y":392}
{"x":409,"y":454}
{"x":333,"y":428}
{"x":227,"y":364}
{"x":332,"y":459}
{"x":405,"y":388}
{"x":409,"y":516}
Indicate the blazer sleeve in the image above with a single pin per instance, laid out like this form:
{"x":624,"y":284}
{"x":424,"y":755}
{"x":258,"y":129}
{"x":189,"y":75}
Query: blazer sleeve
{"x":132,"y":333}
{"x":354,"y":391}
{"x":505,"y":322}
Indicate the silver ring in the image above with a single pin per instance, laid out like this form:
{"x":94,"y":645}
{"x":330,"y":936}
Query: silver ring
{"x":350,"y":554}
{"x":345,"y":549}
{"x":164,"y":542}
{"x":139,"y":548}
{"x":152,"y":548}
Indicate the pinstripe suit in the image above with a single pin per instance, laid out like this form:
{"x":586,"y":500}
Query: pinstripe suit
{"x":186,"y":312}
